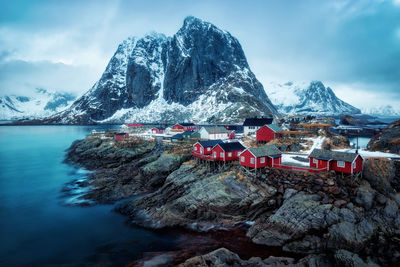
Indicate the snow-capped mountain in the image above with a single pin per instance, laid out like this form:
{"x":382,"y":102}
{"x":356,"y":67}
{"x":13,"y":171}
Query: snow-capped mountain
{"x":303,"y":98}
{"x":41,"y":104}
{"x":387,"y":110}
{"x":200,"y":74}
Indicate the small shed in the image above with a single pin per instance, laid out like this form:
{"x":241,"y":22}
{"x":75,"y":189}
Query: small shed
{"x":205,"y":147}
{"x":227,"y":151}
{"x":213,"y":132}
{"x":344,"y":162}
{"x":260,"y":157}
{"x":267,"y":132}
{"x":120,"y":136}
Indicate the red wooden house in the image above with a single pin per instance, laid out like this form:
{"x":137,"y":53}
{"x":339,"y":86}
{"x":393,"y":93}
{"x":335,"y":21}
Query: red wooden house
{"x":158,"y":130}
{"x":121,"y":136}
{"x":267,"y":132}
{"x":202,"y":148}
{"x":344,"y":162}
{"x":260,"y":157}
{"x":181,"y":127}
{"x":227,"y":151}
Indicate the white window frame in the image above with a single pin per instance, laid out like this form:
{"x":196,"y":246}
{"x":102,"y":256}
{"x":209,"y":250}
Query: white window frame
{"x":262,"y":160}
{"x":315,"y":161}
{"x":252,"y":160}
{"x":215,"y":154}
{"x":195,"y":148}
{"x":242,"y":158}
{"x":340,"y":164}
{"x":208,"y":148}
{"x":201,"y":150}
{"x":221,"y":154}
{"x":354,"y":164}
{"x":229,"y":154}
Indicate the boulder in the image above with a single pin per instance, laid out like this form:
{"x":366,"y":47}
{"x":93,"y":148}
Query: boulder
{"x":348,"y":259}
{"x":365,"y":195}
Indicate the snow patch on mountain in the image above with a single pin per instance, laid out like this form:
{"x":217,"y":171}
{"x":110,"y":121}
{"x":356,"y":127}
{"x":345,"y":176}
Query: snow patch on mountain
{"x":40,"y":104}
{"x":307,"y":98}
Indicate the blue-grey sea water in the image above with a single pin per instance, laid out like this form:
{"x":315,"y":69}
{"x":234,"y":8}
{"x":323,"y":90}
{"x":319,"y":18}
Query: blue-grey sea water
{"x":36,"y":227}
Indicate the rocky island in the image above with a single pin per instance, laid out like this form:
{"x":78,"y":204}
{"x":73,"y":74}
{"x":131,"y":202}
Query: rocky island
{"x":320,"y":219}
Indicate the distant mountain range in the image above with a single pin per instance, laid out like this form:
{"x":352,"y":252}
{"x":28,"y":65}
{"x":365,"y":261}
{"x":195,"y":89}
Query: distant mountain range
{"x":313,"y":98}
{"x":387,"y":110}
{"x":41,"y":104}
{"x":199,"y":74}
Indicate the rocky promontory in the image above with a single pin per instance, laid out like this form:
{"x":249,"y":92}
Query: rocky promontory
{"x":387,"y":140}
{"x":322,"y":218}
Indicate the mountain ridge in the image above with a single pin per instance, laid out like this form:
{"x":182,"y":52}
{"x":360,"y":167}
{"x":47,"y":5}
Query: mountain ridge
{"x":200,"y":73}
{"x":40,"y":104}
{"x":303,"y":98}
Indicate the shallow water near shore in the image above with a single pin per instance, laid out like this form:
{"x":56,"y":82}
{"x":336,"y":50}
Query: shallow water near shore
{"x":36,"y":227}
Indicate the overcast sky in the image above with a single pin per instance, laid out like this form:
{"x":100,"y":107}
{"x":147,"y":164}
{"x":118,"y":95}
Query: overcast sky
{"x":352,"y":46}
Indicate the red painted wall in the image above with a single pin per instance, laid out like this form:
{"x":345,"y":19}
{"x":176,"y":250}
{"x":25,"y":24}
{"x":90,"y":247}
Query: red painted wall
{"x":320,"y":163}
{"x":359,"y":164}
{"x":345,"y":169}
{"x":247,"y":156}
{"x":196,"y":148}
{"x":265,"y":134}
{"x":229,"y":156}
{"x":202,"y":150}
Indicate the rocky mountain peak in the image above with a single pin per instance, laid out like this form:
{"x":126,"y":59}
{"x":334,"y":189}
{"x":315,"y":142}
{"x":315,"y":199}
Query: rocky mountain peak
{"x":201,"y":73}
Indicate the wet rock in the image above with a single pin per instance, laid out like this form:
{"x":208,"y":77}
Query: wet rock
{"x":351,"y":235}
{"x":391,"y":209}
{"x":309,"y":244}
{"x":289,"y":193}
{"x":348,"y":259}
{"x":365,"y":195}
{"x":339,"y":203}
{"x":380,"y":173}
{"x":224,"y":257}
{"x":298,"y":215}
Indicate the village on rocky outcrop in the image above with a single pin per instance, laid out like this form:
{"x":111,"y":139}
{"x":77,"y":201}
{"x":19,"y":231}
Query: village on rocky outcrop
{"x":296,"y":185}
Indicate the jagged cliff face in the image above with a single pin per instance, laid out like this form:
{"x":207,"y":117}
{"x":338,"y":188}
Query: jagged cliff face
{"x":201,"y":73}
{"x":313,"y":98}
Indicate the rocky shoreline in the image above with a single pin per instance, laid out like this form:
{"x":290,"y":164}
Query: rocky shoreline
{"x":326,"y":218}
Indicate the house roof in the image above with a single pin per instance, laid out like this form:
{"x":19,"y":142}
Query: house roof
{"x":121,"y":134}
{"x":257,"y":121}
{"x":210,"y":143}
{"x":335,"y":155}
{"x":269,"y":150}
{"x":159,"y":128}
{"x":233,"y":146}
{"x":188,"y":132}
{"x":215,"y":129}
{"x":177,"y":136}
{"x":274,"y":127}
{"x":186,"y":124}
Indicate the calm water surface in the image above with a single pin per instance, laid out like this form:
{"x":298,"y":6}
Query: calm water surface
{"x":36,"y":227}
